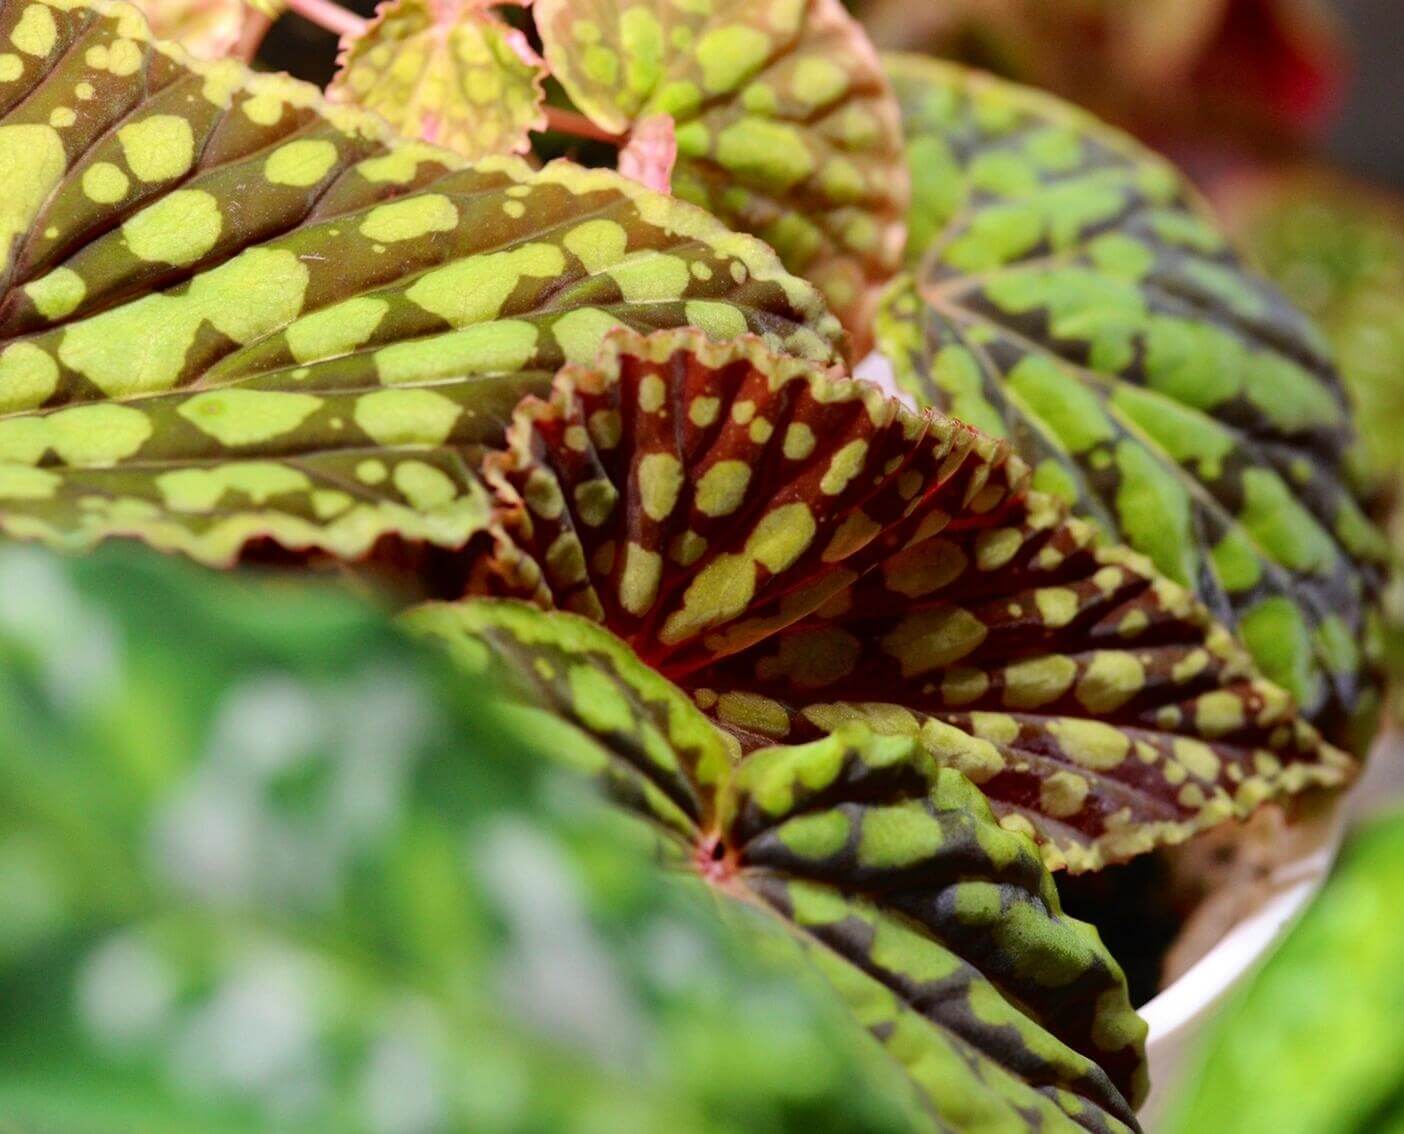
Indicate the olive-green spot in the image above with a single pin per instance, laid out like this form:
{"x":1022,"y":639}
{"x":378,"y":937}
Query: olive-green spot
{"x":1035,"y":682}
{"x":638,"y":585}
{"x":1111,"y":679}
{"x":1063,"y":794}
{"x":660,"y":482}
{"x":933,"y":639}
{"x":722,"y":488}
{"x":1091,"y":744}
{"x":158,"y":148}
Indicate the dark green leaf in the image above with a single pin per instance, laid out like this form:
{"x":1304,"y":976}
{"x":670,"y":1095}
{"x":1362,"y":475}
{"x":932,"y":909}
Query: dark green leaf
{"x":1069,"y":293}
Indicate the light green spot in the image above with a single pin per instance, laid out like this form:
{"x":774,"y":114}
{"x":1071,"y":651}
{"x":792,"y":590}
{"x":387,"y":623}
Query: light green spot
{"x":819,"y":81}
{"x":1071,"y":411}
{"x":424,"y":486}
{"x":720,"y":321}
{"x":652,"y":277}
{"x":410,"y":218}
{"x":816,"y":837}
{"x":18,"y":482}
{"x":337,"y":330}
{"x":898,"y":836}
{"x":1154,"y":510}
{"x":104,"y":183}
{"x":597,"y":244}
{"x":28,"y":377}
{"x":406,"y":417}
{"x":473,"y":290}
{"x":1282,"y":527}
{"x":579,"y":333}
{"x":1236,"y":562}
{"x":36,"y":32}
{"x":32,"y":163}
{"x":57,"y":293}
{"x":300,"y":164}
{"x":770,"y":153}
{"x":100,"y":434}
{"x":158,"y":148}
{"x":201,"y":490}
{"x":488,"y":348}
{"x":178,"y":229}
{"x":237,"y":417}
{"x":729,"y":55}
{"x":1277,"y":635}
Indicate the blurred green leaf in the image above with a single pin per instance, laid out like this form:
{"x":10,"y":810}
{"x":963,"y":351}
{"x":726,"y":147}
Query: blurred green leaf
{"x":1315,"y":1043}
{"x":266,"y":864}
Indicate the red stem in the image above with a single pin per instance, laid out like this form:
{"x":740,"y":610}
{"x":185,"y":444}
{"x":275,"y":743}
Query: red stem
{"x":572,"y":122}
{"x":329,"y":15}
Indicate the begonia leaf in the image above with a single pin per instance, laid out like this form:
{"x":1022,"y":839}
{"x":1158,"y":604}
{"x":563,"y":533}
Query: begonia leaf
{"x":943,"y":931}
{"x":231,"y":315}
{"x":785,"y":123}
{"x":208,"y":29}
{"x":448,"y":72}
{"x":795,"y":550}
{"x":1070,"y":293}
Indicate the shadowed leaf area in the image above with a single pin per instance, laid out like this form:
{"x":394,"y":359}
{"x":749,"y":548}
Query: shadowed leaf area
{"x":798,"y":551}
{"x":786,"y":126}
{"x":1068,"y":292}
{"x":942,"y":930}
{"x":231,"y":315}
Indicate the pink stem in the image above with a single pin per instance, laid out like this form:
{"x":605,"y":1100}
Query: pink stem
{"x":251,"y":34}
{"x":329,"y":15}
{"x":572,"y":122}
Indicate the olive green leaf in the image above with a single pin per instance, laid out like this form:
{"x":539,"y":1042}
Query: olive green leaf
{"x":448,"y":72}
{"x":785,"y":124}
{"x":796,"y":551}
{"x":943,"y":930}
{"x":265,"y":864}
{"x":1314,"y":1044}
{"x":1070,"y":293}
{"x":233,"y":318}
{"x":208,"y":29}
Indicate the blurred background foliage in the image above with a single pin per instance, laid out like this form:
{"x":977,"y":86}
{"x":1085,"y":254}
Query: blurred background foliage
{"x":267,"y":865}
{"x":1315,"y":1043}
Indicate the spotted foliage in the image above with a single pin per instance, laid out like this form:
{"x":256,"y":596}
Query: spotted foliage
{"x":943,"y":930}
{"x":232,"y":314}
{"x":797,"y":551}
{"x":785,"y":124}
{"x":448,"y":72}
{"x":1069,"y":293}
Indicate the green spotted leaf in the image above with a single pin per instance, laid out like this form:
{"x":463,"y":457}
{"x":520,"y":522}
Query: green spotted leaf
{"x":448,"y":72}
{"x":1068,"y":292}
{"x":234,"y":320}
{"x":797,"y":551}
{"x":785,"y":124}
{"x":942,"y":930}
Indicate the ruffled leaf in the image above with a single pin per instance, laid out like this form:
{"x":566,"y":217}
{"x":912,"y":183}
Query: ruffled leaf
{"x":232,"y":317}
{"x":1069,"y":293}
{"x":944,"y":931}
{"x":785,"y":124}
{"x":448,"y":72}
{"x":796,"y":551}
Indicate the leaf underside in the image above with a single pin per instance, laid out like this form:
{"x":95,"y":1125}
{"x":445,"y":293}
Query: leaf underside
{"x":797,"y":551}
{"x":1068,"y":292}
{"x":942,"y":930}
{"x":461,"y":78}
{"x":786,"y":126}
{"x":233,"y":317}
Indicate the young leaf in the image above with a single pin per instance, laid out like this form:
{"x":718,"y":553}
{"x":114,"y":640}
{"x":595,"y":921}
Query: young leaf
{"x":231,"y":315}
{"x":448,"y":72}
{"x":942,"y":930}
{"x":651,"y":153}
{"x":785,"y":124}
{"x":797,"y":551}
{"x":1070,"y":293}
